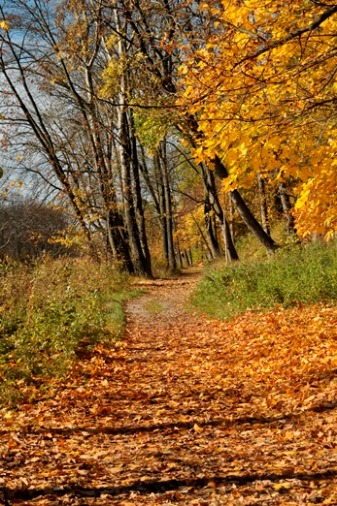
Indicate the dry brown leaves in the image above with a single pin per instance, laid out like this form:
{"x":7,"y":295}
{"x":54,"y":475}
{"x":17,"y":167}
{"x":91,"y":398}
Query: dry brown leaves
{"x":186,"y":411}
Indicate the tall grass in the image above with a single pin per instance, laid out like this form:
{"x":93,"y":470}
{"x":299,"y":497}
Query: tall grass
{"x":298,"y":275}
{"x":50,"y":313}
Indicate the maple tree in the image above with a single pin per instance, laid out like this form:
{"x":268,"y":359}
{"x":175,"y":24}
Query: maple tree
{"x":263,"y":90}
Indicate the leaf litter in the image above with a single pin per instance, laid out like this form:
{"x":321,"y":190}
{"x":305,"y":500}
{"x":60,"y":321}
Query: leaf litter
{"x":186,"y":410}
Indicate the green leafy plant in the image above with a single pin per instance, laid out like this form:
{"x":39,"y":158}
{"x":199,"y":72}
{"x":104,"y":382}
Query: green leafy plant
{"x":300,"y":274}
{"x":52,"y":313}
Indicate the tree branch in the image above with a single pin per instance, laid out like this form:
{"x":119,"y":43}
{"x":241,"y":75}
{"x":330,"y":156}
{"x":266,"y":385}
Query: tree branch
{"x":292,"y":35}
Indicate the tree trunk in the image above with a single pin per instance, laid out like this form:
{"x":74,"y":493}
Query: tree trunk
{"x":210,"y":187}
{"x":136,"y":253}
{"x":138,"y":201}
{"x":159,"y":186}
{"x":160,"y":197}
{"x":204,"y":240}
{"x":243,"y":210}
{"x":209,"y":227}
{"x":286,"y":208}
{"x":141,"y":267}
{"x":189,"y":252}
{"x":263,"y":204}
{"x":118,"y":242}
{"x":231,"y":218}
{"x":168,"y":213}
{"x":179,"y":260}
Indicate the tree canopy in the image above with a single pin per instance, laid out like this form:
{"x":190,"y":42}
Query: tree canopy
{"x":263,"y":87}
{"x":110,"y":102}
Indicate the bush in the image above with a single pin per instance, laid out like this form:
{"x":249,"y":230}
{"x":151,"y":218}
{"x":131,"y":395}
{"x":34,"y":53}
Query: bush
{"x":298,"y":275}
{"x":50,"y":313}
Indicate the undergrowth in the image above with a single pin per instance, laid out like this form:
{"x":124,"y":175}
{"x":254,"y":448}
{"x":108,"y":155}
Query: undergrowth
{"x":52,"y":313}
{"x":296,"y":275}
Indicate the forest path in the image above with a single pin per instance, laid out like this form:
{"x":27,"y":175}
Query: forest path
{"x":186,"y":411}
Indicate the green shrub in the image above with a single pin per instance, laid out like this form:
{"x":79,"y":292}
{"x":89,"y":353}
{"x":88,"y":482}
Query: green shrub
{"x":53,"y":312}
{"x":296,"y":275}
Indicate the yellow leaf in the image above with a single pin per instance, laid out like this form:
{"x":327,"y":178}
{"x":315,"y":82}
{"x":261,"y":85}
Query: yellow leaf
{"x":280,"y":487}
{"x":4,"y":25}
{"x":196,"y":428}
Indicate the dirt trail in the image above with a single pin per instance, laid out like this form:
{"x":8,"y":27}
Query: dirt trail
{"x":176,"y":414}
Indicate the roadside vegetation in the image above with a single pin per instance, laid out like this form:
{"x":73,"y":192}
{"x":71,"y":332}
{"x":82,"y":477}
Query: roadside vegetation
{"x":296,"y":275}
{"x":51,"y":314}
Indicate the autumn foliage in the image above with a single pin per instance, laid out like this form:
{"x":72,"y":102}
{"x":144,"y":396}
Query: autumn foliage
{"x":186,"y":411}
{"x":263,"y":87}
{"x":127,"y":109}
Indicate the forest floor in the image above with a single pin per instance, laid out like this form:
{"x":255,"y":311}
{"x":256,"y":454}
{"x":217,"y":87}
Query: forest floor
{"x":185,"y":410}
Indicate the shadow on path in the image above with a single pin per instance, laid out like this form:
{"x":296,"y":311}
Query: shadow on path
{"x":187,"y":425}
{"x":160,"y":486}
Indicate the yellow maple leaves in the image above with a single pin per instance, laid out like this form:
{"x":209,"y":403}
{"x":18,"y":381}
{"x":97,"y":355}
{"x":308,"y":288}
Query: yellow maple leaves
{"x":263,"y":89}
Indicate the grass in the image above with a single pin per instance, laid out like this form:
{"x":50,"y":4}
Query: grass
{"x":295,"y":275}
{"x":153,"y":307}
{"x":50,"y":314}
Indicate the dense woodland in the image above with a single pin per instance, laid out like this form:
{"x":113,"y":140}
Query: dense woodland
{"x":138,"y":137}
{"x":166,"y":129}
